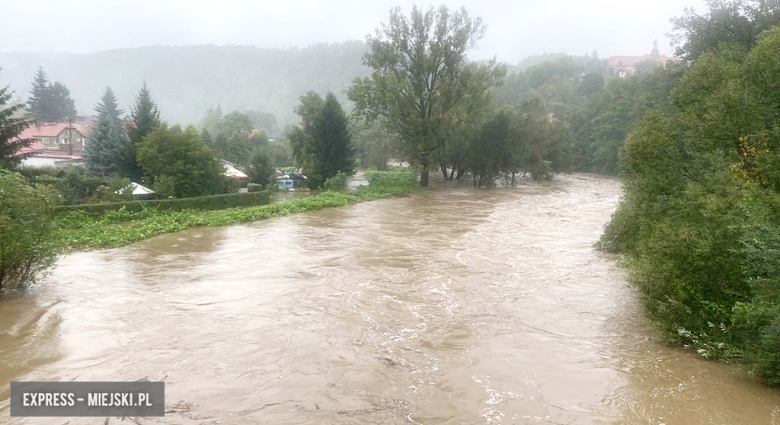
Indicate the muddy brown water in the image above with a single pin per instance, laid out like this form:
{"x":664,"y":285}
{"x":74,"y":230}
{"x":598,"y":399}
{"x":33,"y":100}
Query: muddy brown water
{"x":457,"y":306}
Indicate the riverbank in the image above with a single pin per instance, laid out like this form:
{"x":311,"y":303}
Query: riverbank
{"x":80,"y":231}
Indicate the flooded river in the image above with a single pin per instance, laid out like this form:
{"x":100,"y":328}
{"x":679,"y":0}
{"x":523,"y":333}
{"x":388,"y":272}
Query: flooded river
{"x":457,"y":306}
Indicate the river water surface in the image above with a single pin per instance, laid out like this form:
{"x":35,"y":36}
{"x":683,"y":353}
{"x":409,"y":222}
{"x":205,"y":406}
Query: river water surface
{"x":456,"y":306}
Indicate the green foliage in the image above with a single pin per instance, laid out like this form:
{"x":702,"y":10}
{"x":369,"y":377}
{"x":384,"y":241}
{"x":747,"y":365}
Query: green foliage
{"x":212,"y":202}
{"x":10,"y":127}
{"x":699,"y":222}
{"x":235,"y":122}
{"x":49,"y":102}
{"x":423,"y":86}
{"x":182,"y":163}
{"x":336,"y":183}
{"x":737,"y":22}
{"x":402,"y":180}
{"x":374,"y":147}
{"x":144,"y":118}
{"x":542,"y":170}
{"x":106,"y":142}
{"x":72,"y":184}
{"x":254,"y":187}
{"x":261,"y":168}
{"x":107,"y":192}
{"x":78,"y":229}
{"x":322,"y":144}
{"x":26,"y":230}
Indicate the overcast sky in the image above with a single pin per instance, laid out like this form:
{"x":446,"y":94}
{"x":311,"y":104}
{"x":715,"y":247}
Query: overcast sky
{"x":516,"y":29}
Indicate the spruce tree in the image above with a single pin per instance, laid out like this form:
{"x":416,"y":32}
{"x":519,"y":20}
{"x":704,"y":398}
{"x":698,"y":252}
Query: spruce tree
{"x":144,"y":117}
{"x":331,"y":145}
{"x":105,"y":144}
{"x":109,"y":105}
{"x":38,"y":104}
{"x":49,"y":102}
{"x":10,"y":127}
{"x":104,"y":150}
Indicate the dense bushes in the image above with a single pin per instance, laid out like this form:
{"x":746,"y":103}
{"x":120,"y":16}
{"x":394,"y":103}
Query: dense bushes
{"x":213,"y":202}
{"x":26,"y":229}
{"x":699,"y":222}
{"x":336,"y":183}
{"x":401,"y":178}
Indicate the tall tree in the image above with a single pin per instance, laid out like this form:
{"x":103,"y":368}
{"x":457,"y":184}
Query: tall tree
{"x":109,"y":105}
{"x":38,"y":104}
{"x":235,"y":122}
{"x":49,"y":102}
{"x":310,"y":107}
{"x":330,"y":146}
{"x":144,"y":117}
{"x":210,"y":122}
{"x":62,"y":105}
{"x":422,"y":84}
{"x":105,"y":144}
{"x":180,"y":162}
{"x":11,"y":125}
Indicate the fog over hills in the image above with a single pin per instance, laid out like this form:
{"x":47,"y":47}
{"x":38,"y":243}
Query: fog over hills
{"x":186,"y":80}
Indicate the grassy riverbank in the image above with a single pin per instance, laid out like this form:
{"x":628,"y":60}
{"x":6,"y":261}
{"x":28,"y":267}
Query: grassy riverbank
{"x":78,"y":230}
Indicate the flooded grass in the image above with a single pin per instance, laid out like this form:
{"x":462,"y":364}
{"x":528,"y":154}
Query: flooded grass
{"x":80,"y":231}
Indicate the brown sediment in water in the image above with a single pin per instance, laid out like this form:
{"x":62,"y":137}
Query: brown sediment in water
{"x":451,"y":306}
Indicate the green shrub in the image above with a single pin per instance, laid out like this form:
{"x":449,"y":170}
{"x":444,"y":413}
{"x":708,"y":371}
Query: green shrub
{"x":26,"y":230}
{"x":337,"y":183}
{"x":212,"y":202}
{"x":254,"y":187}
{"x":542,"y":170}
{"x":394,"y":177}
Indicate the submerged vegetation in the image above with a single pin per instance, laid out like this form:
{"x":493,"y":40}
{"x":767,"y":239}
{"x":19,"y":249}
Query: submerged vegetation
{"x":79,"y":230}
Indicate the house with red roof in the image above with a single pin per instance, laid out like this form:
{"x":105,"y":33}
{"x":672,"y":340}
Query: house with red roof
{"x":56,"y":142}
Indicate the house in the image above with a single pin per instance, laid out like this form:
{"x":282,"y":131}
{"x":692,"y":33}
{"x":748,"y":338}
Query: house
{"x":58,"y":143}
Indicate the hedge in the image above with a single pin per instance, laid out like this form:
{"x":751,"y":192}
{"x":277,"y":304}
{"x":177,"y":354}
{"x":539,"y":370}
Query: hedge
{"x":213,"y":202}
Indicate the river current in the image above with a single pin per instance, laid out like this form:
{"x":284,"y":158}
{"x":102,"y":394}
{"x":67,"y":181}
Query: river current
{"x":454,"y":306}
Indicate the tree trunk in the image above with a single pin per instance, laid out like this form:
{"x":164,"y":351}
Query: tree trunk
{"x":513,"y":179}
{"x":452,"y":174}
{"x":443,"y":171}
{"x":424,"y":177}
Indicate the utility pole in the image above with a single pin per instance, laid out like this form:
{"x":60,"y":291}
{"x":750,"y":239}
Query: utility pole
{"x":70,"y":137}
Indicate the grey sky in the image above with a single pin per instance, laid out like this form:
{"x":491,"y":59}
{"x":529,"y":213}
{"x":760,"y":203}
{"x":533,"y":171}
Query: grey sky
{"x":515,"y":28}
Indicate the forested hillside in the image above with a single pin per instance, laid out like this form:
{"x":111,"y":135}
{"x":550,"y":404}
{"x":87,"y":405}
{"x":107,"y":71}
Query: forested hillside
{"x":187,"y":80}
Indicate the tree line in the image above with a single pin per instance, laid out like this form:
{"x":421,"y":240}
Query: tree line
{"x":699,"y":222}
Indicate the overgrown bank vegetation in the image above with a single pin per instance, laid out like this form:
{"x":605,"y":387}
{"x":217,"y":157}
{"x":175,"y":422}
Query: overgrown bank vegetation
{"x":80,"y":230}
{"x":699,"y":223}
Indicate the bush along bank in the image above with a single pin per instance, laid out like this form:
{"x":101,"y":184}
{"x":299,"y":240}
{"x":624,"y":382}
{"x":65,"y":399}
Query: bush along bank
{"x":80,"y":229}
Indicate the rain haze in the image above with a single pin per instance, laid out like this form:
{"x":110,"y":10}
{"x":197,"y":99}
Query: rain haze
{"x":515,"y":29}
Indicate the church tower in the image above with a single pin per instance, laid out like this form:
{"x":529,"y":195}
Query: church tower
{"x":654,"y":53}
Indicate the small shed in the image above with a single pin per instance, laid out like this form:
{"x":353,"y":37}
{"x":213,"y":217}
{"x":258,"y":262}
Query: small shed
{"x":139,"y":192}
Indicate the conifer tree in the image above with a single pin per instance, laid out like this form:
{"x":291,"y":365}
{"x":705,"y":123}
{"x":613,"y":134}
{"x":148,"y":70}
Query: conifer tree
{"x":10,"y":127}
{"x":49,"y":102}
{"x":38,"y":105}
{"x":109,"y":105}
{"x":144,"y":117}
{"x":330,"y":146}
{"x":104,"y":149}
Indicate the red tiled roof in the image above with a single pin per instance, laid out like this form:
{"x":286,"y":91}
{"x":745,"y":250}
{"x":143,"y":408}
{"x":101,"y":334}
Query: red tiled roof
{"x":34,"y":147}
{"x":52,"y":130}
